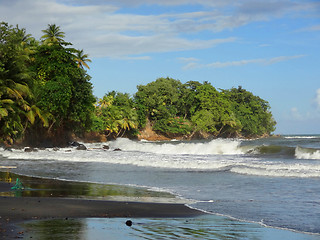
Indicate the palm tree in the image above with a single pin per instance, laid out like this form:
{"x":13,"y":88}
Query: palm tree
{"x":33,"y":112}
{"x":15,"y":78}
{"x":81,"y":59}
{"x":12,"y":104}
{"x":5,"y":106}
{"x":53,"y":35}
{"x":26,"y":44}
{"x":105,"y":102}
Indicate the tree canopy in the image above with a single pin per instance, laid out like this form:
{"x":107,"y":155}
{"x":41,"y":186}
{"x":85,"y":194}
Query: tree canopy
{"x":176,"y":108}
{"x":42,"y":85}
{"x":192,"y":108}
{"x":45,"y":92}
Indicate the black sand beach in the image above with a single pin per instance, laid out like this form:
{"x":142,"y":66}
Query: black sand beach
{"x":19,"y":209}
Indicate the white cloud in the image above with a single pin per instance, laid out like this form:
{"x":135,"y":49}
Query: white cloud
{"x":103,"y":30}
{"x":313,"y":28}
{"x":189,"y":59}
{"x":295,"y":114}
{"x":215,"y":3}
{"x":117,"y":45}
{"x":263,"y":61}
{"x":265,"y":45}
{"x":280,"y":59}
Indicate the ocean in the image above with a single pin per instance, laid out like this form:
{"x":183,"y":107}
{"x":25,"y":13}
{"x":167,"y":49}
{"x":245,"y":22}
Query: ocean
{"x":273,"y":183}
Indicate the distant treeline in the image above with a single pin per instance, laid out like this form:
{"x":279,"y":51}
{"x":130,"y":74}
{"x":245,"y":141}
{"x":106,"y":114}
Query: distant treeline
{"x":176,"y":109}
{"x":46,"y":95}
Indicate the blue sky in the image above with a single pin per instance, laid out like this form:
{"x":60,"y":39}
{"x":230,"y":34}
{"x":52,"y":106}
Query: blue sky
{"x":271,"y":48}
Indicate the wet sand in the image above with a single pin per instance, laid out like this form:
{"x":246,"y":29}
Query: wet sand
{"x":19,"y":209}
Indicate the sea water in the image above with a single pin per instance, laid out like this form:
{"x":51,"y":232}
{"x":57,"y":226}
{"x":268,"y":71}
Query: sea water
{"x":273,"y":182}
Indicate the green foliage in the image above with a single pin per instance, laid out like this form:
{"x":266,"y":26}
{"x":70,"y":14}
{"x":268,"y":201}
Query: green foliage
{"x":45,"y":84}
{"x":188,"y":103}
{"x":214,"y":114}
{"x":252,"y":111}
{"x":53,"y":35}
{"x":41,"y":84}
{"x":175,"y":125}
{"x":159,"y":99}
{"x":203,"y":120}
{"x":166,"y":101}
{"x":15,"y":79}
{"x":62,"y":88}
{"x":115,"y":115}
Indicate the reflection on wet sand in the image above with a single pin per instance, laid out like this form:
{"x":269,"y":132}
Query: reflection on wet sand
{"x":202,"y":227}
{"x":41,"y":187}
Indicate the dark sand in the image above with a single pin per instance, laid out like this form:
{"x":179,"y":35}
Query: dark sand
{"x":18,"y":209}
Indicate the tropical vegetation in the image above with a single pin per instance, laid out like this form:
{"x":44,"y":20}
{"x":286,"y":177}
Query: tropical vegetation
{"x":46,"y":96}
{"x":45,"y":93}
{"x":199,"y":109}
{"x":189,"y":110}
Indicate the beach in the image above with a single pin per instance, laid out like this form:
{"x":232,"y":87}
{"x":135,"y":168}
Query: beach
{"x":248,"y":189}
{"x":19,"y":209}
{"x":79,"y":218}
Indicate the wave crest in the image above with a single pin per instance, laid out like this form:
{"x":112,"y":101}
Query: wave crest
{"x":216,"y":146}
{"x":307,"y":153}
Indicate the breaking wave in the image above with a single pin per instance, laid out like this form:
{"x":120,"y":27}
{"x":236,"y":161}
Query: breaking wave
{"x":214,"y":156}
{"x":307,"y":153}
{"x":217,"y":146}
{"x":285,"y":152}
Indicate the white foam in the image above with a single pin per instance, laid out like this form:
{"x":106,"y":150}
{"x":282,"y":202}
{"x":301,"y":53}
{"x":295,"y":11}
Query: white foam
{"x":217,"y":146}
{"x":216,"y":155}
{"x":278,"y":169}
{"x":145,"y":159}
{"x":301,"y":137}
{"x":301,"y":153}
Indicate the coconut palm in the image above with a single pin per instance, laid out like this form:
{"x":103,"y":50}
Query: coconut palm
{"x":106,"y":101}
{"x":15,"y":79}
{"x":33,"y":112}
{"x":12,"y":105}
{"x":81,"y":59}
{"x":53,"y":35}
{"x":5,"y":106}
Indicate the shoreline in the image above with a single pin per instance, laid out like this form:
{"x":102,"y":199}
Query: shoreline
{"x":15,"y":210}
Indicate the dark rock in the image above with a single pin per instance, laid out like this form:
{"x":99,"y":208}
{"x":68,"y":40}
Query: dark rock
{"x":81,"y":147}
{"x":8,"y":149}
{"x":55,"y":149}
{"x":105,"y":147}
{"x":129,"y":223}
{"x":75,"y":144}
{"x":117,"y":149}
{"x":29,"y":149}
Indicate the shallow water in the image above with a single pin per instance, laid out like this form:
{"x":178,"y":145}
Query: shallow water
{"x":204,"y":227}
{"x":46,"y":187}
{"x":274,"y":182}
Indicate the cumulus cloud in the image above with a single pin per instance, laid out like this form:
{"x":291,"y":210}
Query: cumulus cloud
{"x":103,"y":32}
{"x":103,"y":29}
{"x":263,"y":61}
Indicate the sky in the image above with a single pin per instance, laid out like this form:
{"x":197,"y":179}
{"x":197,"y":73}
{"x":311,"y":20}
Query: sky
{"x":270,"y":48}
